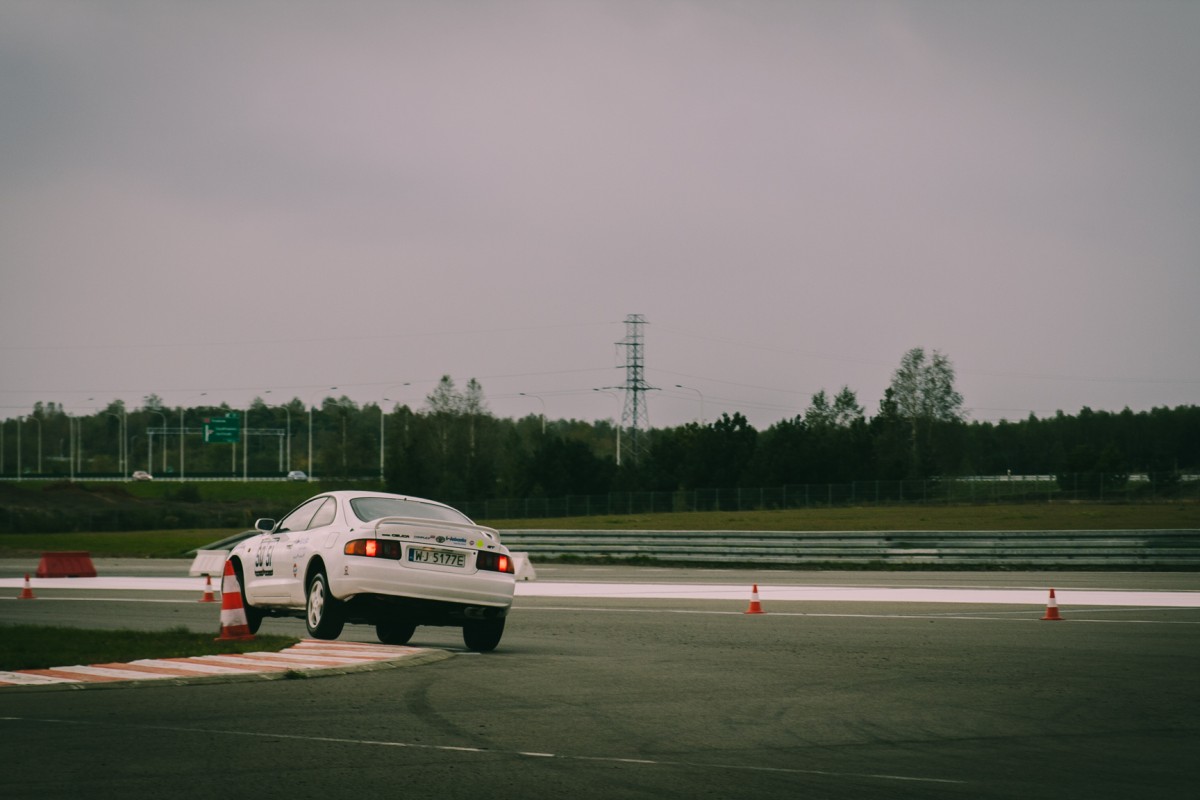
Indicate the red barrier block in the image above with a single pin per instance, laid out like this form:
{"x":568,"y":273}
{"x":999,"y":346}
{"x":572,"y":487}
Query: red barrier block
{"x":66,"y":565}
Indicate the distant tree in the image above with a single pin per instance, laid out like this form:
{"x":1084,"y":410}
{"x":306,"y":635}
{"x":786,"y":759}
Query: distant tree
{"x":924,"y":396}
{"x":819,"y":413}
{"x":452,"y":452}
{"x":782,"y":455}
{"x":444,"y":399}
{"x":889,"y":439}
{"x":832,"y":438}
{"x":559,"y":466}
{"x":444,"y":403}
{"x":842,"y":413}
{"x":472,"y":399}
{"x":473,"y":407}
{"x":924,"y":389}
{"x":846,"y":410}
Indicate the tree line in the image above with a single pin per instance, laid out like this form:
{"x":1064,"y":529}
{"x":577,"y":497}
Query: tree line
{"x":453,"y":448}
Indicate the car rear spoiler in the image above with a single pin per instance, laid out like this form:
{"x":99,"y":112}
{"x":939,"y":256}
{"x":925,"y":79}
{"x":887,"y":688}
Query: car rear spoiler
{"x":491,"y":534}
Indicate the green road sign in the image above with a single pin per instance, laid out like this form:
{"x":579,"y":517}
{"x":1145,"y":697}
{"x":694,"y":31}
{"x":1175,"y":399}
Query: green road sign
{"x":224,"y":429}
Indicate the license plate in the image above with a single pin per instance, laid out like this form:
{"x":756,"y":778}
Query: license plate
{"x":432,"y":555}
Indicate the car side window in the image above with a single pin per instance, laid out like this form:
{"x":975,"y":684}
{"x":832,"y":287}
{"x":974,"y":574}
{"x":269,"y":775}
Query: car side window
{"x":299,"y":519}
{"x":324,"y":515}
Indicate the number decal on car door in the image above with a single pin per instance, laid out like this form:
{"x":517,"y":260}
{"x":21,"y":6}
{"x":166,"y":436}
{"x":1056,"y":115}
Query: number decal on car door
{"x":262,"y":559}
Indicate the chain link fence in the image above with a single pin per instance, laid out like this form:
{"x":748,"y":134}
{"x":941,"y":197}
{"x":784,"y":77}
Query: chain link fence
{"x":1013,"y":489}
{"x":1091,"y":487}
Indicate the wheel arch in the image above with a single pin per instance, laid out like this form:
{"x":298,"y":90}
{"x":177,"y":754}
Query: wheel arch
{"x":239,"y":569}
{"x":315,"y":564}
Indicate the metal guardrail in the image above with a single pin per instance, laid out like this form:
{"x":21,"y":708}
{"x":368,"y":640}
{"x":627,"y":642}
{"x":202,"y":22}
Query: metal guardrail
{"x":1158,"y":549}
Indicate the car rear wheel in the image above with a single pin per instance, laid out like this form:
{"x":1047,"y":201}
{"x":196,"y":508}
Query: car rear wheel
{"x":394,"y":631}
{"x":482,"y":636}
{"x":323,"y":612}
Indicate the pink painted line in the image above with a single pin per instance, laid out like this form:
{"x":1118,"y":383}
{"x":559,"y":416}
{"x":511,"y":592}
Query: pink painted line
{"x":307,"y":655}
{"x":153,"y":671}
{"x":245,"y":665}
{"x":68,"y":674}
{"x":856,"y":594}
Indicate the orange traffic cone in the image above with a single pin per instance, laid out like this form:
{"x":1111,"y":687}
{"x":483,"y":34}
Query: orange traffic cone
{"x":1052,"y":608}
{"x":27,"y":592}
{"x":234,"y":627}
{"x":207,"y":597}
{"x":755,"y":606}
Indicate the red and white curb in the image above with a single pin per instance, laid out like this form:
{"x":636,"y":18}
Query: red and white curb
{"x":309,"y":655}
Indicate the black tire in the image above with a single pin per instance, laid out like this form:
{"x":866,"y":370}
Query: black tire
{"x":482,"y":636}
{"x":394,"y":631}
{"x":323,"y":614}
{"x":254,"y":616}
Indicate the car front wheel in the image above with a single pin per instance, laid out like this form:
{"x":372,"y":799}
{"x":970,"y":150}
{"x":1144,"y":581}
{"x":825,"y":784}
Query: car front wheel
{"x":323,"y":612}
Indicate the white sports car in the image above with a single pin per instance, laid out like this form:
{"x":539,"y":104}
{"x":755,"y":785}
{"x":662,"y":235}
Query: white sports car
{"x":386,"y":560}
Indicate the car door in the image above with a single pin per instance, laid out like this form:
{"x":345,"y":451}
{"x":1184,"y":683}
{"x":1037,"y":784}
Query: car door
{"x":273,"y":580}
{"x":300,"y":546}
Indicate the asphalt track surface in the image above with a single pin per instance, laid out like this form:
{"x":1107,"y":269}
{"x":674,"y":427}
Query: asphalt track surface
{"x":617,"y":682}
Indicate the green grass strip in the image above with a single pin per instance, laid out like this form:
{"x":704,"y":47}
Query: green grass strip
{"x":43,"y":646}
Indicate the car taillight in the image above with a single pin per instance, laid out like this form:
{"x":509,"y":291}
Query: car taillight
{"x":373,"y":548}
{"x":494,"y":562}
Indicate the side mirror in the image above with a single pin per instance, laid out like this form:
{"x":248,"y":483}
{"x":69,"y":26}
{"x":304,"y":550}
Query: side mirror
{"x":264,"y":525}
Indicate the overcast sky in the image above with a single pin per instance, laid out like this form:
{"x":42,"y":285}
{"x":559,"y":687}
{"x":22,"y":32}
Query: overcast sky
{"x":234,"y":197}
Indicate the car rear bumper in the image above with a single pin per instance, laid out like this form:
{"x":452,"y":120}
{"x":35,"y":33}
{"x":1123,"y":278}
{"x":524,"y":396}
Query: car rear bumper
{"x":397,"y":582}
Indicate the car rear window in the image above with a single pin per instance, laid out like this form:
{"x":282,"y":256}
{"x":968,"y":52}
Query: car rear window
{"x":369,"y":508}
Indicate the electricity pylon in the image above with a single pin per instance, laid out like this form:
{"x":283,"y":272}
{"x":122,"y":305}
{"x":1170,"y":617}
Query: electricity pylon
{"x":634,"y":417}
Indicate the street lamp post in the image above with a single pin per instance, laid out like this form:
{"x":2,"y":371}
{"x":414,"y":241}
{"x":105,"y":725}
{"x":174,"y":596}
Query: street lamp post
{"x":150,"y":444}
{"x":120,"y":442}
{"x":39,"y":424}
{"x":79,"y":441}
{"x":288,"y":414}
{"x":310,"y":436}
{"x":181,"y":443}
{"x":698,"y":392}
{"x":381,"y":417}
{"x":543,"y":402}
{"x":182,"y":473}
{"x":613,"y":396}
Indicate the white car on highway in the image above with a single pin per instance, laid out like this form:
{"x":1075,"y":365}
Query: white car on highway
{"x":387,"y":560}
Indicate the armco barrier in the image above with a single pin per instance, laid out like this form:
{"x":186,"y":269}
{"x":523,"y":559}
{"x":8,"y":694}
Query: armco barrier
{"x":1160,"y":549}
{"x":209,"y":562}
